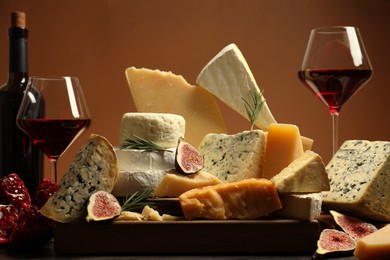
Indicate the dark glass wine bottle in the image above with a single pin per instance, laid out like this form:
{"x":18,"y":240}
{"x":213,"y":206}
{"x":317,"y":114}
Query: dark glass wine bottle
{"x":17,"y":152}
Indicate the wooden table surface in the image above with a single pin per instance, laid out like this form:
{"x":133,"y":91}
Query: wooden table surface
{"x":47,"y":252}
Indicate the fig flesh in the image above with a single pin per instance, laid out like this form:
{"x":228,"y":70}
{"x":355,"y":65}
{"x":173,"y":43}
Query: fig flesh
{"x":103,"y":205}
{"x":335,"y":241}
{"x":355,"y":227}
{"x":187,"y":159}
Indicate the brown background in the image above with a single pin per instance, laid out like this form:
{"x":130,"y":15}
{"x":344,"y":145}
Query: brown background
{"x":97,"y":40}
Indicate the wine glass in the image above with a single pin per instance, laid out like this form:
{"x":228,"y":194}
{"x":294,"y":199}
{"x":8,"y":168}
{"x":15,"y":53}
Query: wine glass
{"x":334,"y":67}
{"x":53,"y":113}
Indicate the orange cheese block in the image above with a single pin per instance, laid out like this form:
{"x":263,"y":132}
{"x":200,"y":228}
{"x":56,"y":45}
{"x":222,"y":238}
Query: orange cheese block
{"x":284,"y":145}
{"x":375,"y":245}
{"x":173,"y":185}
{"x":247,"y":199}
{"x":164,"y":92}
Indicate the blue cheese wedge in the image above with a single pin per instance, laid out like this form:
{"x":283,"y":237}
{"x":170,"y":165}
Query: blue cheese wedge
{"x":359,"y":176}
{"x":306,"y":174}
{"x":234,"y":157}
{"x":94,"y":168}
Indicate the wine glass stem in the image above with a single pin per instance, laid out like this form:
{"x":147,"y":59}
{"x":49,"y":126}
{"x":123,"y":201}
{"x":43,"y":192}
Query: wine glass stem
{"x":335,"y":131}
{"x":53,"y":162}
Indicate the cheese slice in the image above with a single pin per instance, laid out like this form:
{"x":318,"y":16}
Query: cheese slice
{"x":246,"y":199}
{"x":161,"y":128}
{"x":306,"y":174}
{"x":359,"y":175}
{"x":173,"y":185}
{"x":300,"y":206}
{"x":375,"y":245}
{"x":283,"y":147}
{"x":234,"y":157}
{"x":229,"y":78}
{"x":164,"y":92}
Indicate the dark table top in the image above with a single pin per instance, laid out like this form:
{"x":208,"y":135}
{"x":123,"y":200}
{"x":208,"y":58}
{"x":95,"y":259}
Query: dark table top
{"x":47,"y":252}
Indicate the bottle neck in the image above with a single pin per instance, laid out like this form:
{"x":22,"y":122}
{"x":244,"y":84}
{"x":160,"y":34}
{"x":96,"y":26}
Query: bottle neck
{"x":18,"y":67}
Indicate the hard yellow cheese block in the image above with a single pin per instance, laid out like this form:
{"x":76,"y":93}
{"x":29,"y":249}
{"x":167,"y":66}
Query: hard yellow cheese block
{"x":283,"y":146}
{"x":375,"y":245}
{"x":164,"y":92}
{"x":173,"y":185}
{"x":245,"y":199}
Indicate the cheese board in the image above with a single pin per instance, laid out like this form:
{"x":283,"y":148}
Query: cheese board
{"x":265,"y":236}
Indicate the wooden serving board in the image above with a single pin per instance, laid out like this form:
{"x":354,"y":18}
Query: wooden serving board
{"x":188,"y":237}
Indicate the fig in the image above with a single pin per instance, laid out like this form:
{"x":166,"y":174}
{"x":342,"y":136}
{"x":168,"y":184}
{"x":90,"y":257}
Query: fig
{"x":334,"y":241}
{"x":187,"y":159}
{"x":355,"y":227}
{"x":103,"y":205}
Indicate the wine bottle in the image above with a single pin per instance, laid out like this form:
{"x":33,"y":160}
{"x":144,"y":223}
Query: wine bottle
{"x":17,"y":153}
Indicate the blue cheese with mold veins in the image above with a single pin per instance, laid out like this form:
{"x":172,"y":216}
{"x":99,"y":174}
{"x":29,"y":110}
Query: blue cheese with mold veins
{"x":94,"y":168}
{"x":234,"y":157}
{"x":359,"y":175}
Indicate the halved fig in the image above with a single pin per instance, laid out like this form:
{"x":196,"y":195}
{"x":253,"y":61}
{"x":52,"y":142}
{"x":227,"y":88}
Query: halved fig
{"x":103,"y":205}
{"x":355,"y":227}
{"x":334,"y":241}
{"x":187,"y":158}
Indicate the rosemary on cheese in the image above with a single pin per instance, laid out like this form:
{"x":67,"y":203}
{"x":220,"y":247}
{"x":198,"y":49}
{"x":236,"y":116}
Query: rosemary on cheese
{"x":135,"y":202}
{"x":254,"y":106}
{"x":142,"y":144}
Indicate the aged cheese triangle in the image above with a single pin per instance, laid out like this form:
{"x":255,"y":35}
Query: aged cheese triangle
{"x":229,"y":78}
{"x":164,"y":92}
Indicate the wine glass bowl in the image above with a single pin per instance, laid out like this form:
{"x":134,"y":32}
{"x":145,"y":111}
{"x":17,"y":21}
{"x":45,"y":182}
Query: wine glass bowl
{"x":334,"y":68}
{"x":53,"y":113}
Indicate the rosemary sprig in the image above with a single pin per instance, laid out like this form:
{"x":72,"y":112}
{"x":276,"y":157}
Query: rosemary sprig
{"x":253,"y":108}
{"x":135,"y":202}
{"x":143,"y":144}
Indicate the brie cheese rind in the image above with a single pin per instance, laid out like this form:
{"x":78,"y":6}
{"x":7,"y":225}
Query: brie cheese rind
{"x":130,"y":182}
{"x":230,"y":79}
{"x":160,"y":128}
{"x":94,"y":168}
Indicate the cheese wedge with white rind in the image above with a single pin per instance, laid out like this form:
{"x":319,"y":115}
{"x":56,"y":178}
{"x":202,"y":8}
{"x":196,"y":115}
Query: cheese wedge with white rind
{"x":306,"y":174}
{"x":164,"y":92}
{"x":229,"y":78}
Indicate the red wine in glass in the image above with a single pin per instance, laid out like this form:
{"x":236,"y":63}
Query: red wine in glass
{"x":53,"y":136}
{"x":334,"y":87}
{"x":53,"y":113}
{"x":334,"y":67}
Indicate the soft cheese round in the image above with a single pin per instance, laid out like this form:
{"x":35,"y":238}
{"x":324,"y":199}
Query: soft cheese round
{"x":160,"y":128}
{"x":137,"y":181}
{"x":140,"y":160}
